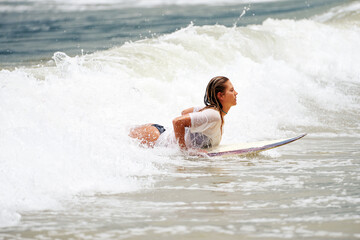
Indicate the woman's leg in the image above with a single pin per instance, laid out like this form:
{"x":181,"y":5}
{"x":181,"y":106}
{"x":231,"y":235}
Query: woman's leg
{"x":147,"y":134}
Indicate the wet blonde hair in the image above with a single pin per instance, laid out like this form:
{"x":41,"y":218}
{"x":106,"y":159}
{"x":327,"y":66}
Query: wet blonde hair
{"x":216,"y":85}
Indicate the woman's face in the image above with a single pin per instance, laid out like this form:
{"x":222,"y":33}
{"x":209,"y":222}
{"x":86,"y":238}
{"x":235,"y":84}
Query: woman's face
{"x":228,"y":98}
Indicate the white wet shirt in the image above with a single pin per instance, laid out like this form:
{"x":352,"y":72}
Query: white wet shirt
{"x":205,"y":130}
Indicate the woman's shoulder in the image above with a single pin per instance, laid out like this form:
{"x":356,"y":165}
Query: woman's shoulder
{"x":212,"y":112}
{"x":211,"y":109}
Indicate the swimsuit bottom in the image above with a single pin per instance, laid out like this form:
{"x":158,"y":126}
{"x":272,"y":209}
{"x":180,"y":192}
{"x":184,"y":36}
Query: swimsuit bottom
{"x":159,"y":127}
{"x":197,"y":140}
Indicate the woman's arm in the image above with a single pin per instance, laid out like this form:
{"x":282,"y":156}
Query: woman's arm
{"x":179,"y":124}
{"x":187,"y":111}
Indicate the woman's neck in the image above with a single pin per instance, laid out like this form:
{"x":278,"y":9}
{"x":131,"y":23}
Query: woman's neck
{"x":225,"y":110}
{"x":222,"y":111}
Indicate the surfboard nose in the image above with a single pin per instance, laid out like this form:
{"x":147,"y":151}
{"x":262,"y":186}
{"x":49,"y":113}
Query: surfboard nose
{"x":250,"y":148}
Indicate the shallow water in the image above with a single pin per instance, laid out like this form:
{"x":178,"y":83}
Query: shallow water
{"x":309,"y":194}
{"x":68,"y":169}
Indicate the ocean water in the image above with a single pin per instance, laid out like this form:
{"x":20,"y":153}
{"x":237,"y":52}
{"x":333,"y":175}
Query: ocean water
{"x":74,"y":76}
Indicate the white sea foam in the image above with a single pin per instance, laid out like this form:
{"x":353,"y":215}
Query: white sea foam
{"x":63,"y":127}
{"x":349,"y":13}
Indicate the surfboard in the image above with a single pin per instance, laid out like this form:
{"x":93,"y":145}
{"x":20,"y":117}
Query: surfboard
{"x":249,"y":148}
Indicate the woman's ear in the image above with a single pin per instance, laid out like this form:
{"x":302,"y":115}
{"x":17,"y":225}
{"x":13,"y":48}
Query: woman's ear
{"x":220,"y":96}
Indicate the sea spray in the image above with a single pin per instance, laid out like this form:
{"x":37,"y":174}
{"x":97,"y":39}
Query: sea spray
{"x":64,"y":124}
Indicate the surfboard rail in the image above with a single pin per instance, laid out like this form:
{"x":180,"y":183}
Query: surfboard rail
{"x":260,"y":146}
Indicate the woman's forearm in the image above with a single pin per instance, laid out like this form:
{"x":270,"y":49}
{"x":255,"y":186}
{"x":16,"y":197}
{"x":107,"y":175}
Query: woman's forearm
{"x":179,"y":124}
{"x":187,"y":111}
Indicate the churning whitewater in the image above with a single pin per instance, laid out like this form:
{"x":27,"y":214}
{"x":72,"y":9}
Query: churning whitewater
{"x":64,"y":123}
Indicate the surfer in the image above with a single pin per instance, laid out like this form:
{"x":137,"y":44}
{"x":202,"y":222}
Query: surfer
{"x":197,"y":127}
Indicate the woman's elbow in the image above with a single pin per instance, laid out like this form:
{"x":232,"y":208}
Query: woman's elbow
{"x":176,"y":121}
{"x":182,"y":121}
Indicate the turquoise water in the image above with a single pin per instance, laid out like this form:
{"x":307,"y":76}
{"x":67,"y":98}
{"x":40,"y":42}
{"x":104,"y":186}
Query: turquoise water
{"x":31,"y":31}
{"x":75,"y":76}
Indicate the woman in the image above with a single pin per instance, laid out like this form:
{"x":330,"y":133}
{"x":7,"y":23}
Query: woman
{"x":197,"y":128}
